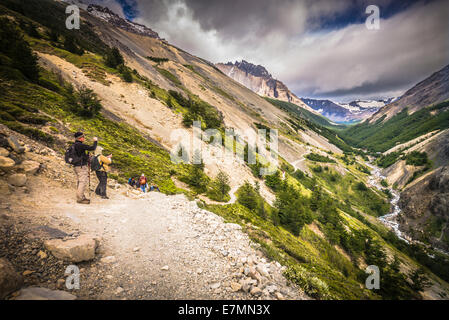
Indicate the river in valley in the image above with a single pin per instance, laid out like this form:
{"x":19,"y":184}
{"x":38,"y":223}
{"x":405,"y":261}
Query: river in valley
{"x":391,"y":219}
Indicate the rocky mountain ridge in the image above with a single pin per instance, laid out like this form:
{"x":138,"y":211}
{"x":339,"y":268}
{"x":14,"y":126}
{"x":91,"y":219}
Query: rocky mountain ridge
{"x":259,"y":80}
{"x":106,"y":14}
{"x":430,"y":91}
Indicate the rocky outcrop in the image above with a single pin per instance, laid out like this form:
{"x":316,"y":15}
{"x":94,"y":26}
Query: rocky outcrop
{"x":73,"y":250}
{"x":10,"y":280}
{"x":36,"y":293}
{"x":259,"y":80}
{"x":6,"y":163}
{"x":17,"y":180}
{"x":109,"y":16}
{"x":425,"y":209}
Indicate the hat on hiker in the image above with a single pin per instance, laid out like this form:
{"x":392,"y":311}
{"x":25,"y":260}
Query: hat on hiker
{"x":79,"y":135}
{"x":142,"y":175}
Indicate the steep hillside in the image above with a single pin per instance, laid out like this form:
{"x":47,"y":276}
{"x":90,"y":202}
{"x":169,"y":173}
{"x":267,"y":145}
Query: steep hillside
{"x":432,"y":90}
{"x":316,"y":215}
{"x":425,"y":207}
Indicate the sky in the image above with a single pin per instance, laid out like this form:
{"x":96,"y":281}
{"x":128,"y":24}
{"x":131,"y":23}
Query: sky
{"x":318,"y":48}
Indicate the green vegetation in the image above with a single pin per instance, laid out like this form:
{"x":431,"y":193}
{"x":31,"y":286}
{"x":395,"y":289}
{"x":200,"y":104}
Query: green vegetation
{"x":385,"y":134}
{"x":169,"y":76}
{"x":83,"y":102}
{"x":219,"y":189}
{"x":319,"y":158}
{"x":157,"y":60}
{"x":387,"y":160}
{"x":301,"y":112}
{"x":416,"y":158}
{"x":317,"y":123}
{"x":195,"y":176}
{"x":15,"y":53}
{"x":51,"y":14}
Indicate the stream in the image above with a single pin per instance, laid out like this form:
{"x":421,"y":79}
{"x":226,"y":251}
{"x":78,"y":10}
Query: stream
{"x":391,"y":219}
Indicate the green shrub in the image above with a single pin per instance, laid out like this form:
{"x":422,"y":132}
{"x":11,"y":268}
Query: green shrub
{"x":319,"y":158}
{"x":220,"y":187}
{"x":311,"y":285}
{"x":156,"y":59}
{"x":416,"y":158}
{"x":361,"y":186}
{"x":87,"y":103}
{"x":113,"y":58}
{"x":389,"y":159}
{"x":247,"y":196}
{"x":18,"y":50}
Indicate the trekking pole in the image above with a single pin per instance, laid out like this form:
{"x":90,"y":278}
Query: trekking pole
{"x":88,"y":169}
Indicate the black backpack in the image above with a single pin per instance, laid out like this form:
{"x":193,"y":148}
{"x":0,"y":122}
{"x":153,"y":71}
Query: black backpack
{"x":71,"y":157}
{"x":95,"y":163}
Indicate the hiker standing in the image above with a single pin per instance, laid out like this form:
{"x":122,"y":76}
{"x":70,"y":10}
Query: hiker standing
{"x":143,"y":183}
{"x":101,"y":163}
{"x":81,"y":166}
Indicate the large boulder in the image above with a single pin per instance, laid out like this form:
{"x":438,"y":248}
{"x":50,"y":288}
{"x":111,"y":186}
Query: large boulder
{"x":10,"y":280}
{"x":29,"y":166}
{"x":17,"y":179}
{"x":36,"y":293}
{"x":15,"y":145}
{"x":73,"y":250}
{"x":4,"y":152}
{"x":6,"y":163}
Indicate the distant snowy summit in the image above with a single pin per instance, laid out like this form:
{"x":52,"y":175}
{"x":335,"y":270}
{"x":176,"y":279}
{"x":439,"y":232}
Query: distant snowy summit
{"x":354,"y":111}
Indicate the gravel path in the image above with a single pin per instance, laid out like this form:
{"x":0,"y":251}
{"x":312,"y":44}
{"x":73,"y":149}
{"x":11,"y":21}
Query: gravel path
{"x":152,"y":246}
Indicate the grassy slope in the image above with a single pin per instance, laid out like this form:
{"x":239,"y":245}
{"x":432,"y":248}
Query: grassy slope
{"x":383,"y":135}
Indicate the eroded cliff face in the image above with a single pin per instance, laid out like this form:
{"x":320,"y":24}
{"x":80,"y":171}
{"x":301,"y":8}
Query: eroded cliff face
{"x":259,"y":80}
{"x":425,"y":209}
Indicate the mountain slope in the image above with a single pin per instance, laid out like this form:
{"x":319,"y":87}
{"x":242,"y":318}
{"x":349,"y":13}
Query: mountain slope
{"x":432,"y":90}
{"x":422,"y":109}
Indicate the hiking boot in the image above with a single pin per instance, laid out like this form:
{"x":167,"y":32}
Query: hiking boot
{"x":104,"y":197}
{"x":84,"y":201}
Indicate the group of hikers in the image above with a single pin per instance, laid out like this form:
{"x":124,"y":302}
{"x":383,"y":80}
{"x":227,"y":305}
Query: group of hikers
{"x":142,"y":183}
{"x":78,"y":156}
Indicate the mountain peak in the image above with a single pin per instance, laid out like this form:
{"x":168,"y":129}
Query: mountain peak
{"x":258,"y":79}
{"x":250,"y":68}
{"x":106,"y":14}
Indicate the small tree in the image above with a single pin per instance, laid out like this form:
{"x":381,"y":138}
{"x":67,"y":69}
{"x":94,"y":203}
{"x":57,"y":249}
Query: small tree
{"x":88,"y":104}
{"x":126,"y":74}
{"x":419,"y":280}
{"x":247,"y":196}
{"x":114,"y":58}
{"x":222,"y":183}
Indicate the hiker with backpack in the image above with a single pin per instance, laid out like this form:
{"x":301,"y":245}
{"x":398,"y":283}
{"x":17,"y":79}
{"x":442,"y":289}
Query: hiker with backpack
{"x":143,"y":182}
{"x":77,"y":156}
{"x":100,"y":164}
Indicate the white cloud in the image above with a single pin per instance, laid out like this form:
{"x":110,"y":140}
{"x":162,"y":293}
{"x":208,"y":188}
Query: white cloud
{"x":348,"y":62}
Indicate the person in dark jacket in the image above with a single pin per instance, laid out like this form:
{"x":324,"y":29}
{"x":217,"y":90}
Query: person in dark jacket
{"x":81,"y":168}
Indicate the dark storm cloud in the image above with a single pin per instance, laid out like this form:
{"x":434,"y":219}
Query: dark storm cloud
{"x":317,"y":47}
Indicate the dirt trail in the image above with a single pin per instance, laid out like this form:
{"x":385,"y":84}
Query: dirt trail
{"x":152,"y":246}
